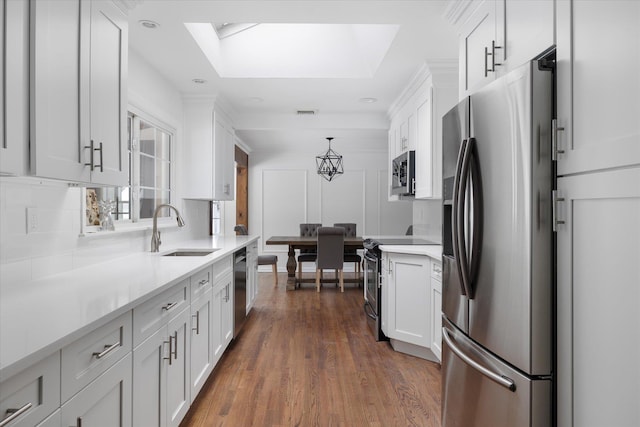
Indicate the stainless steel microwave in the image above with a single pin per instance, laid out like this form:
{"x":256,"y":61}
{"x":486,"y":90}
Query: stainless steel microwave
{"x":403,"y":175}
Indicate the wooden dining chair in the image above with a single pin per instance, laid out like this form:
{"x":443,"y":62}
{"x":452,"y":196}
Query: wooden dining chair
{"x":330,"y":253}
{"x":271,"y":260}
{"x":351,"y":254}
{"x":307,"y":255}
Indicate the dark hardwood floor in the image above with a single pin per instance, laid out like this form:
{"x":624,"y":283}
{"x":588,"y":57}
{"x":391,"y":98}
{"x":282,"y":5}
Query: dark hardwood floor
{"x":308,"y":359}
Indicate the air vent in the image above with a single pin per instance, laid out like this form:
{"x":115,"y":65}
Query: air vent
{"x":306,"y":112}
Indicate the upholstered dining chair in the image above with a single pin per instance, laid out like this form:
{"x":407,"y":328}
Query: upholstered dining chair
{"x":271,"y":260}
{"x":307,"y":255}
{"x":330,"y":253}
{"x":350,"y":254}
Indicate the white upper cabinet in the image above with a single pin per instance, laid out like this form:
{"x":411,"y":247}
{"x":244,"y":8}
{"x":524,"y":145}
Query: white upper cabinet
{"x":481,"y":45}
{"x":598,"y":98}
{"x":209,"y":167}
{"x":417,"y":125}
{"x":499,"y":35}
{"x":78,"y":91}
{"x":14,"y":87}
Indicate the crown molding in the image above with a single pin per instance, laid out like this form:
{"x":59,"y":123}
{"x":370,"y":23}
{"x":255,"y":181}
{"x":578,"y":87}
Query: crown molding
{"x":456,"y":10}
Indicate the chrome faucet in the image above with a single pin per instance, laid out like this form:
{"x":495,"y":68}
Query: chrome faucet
{"x":155,"y":235}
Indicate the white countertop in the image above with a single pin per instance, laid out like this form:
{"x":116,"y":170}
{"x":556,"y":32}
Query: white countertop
{"x":40,"y":317}
{"x":433,"y":251}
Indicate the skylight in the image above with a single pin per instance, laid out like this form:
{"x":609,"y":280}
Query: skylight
{"x":296,"y":50}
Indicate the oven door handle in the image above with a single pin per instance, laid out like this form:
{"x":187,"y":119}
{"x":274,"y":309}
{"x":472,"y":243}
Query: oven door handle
{"x":369,"y":257}
{"x":368,"y":310}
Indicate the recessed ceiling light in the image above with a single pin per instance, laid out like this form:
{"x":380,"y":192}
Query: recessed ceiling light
{"x":368,"y":100}
{"x":152,"y":25}
{"x":199,"y":81}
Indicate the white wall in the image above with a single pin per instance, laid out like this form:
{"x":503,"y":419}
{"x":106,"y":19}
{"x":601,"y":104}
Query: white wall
{"x":285,"y":190}
{"x":56,"y":246}
{"x":427,"y":219}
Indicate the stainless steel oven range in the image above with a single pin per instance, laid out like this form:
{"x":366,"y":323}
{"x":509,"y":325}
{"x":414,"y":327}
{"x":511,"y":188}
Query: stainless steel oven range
{"x":373,"y":304}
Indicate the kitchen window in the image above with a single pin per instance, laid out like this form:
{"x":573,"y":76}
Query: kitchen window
{"x":151,"y":169}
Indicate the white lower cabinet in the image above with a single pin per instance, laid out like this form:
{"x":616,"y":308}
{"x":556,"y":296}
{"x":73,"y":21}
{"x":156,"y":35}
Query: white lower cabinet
{"x":29,"y":396}
{"x":161,"y":375}
{"x":202,"y":361}
{"x":598,"y":244}
{"x":177,"y":338}
{"x":104,"y":402}
{"x":222,"y":315}
{"x":408,"y":304}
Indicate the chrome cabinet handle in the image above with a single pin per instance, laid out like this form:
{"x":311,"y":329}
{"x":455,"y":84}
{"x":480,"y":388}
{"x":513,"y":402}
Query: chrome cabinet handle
{"x":554,"y":139}
{"x":91,"y":149}
{"x":101,"y":162}
{"x":492,"y":54}
{"x":79,"y":422}
{"x":197,"y":328}
{"x":554,"y":214}
{"x":107,"y":349}
{"x":170,"y":342}
{"x":14,"y":413}
{"x":175,"y":346}
{"x":504,"y":381}
{"x":202,"y":282}
{"x":169,"y":306}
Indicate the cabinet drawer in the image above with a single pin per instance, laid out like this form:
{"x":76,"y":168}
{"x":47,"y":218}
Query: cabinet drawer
{"x":221,"y":268}
{"x":88,"y":357}
{"x":148,"y":317}
{"x":34,"y":392}
{"x":436,"y":270}
{"x":201,"y":283}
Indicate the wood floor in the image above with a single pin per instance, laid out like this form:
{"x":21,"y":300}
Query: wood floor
{"x":308,"y":359}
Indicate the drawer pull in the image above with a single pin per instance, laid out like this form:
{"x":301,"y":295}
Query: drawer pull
{"x":169,"y":306}
{"x":15,"y":413}
{"x":203,"y":281}
{"x":107,"y":349}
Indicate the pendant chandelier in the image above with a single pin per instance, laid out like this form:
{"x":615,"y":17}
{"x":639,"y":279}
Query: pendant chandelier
{"x":329,"y":164}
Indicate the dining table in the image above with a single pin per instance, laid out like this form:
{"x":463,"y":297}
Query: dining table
{"x":308,"y":242}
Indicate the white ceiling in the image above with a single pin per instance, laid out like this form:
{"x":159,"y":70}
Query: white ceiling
{"x":272,"y":123}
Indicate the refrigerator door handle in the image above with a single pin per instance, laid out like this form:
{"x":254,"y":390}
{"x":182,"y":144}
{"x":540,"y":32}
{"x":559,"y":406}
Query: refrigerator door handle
{"x":459,"y":220}
{"x":455,"y":231}
{"x":503,"y":380}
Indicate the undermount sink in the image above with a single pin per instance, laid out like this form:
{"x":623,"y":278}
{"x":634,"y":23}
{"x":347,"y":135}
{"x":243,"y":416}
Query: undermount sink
{"x":190,"y":252}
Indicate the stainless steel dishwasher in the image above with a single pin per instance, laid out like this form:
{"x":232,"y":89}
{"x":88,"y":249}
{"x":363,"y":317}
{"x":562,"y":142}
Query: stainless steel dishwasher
{"x":240,"y":290}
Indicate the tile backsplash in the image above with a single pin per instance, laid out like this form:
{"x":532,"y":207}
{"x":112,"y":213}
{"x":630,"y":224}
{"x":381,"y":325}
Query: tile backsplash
{"x":53,"y":244}
{"x":427,"y":219}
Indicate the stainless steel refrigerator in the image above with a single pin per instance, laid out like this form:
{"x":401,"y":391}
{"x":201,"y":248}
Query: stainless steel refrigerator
{"x":498,"y":252}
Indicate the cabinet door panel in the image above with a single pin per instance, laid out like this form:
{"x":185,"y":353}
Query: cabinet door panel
{"x":409,"y":296}
{"x":149,"y":380}
{"x":529,"y":30}
{"x":178,"y":372}
{"x":57,"y":139}
{"x":105,"y":402}
{"x":598,"y":105}
{"x":598,"y":295}
{"x":477,"y":35}
{"x":14,"y":86}
{"x":109,"y":35}
{"x":201,"y":344}
{"x":424,"y":152}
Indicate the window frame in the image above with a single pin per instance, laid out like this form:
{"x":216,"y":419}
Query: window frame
{"x":134,"y":116}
